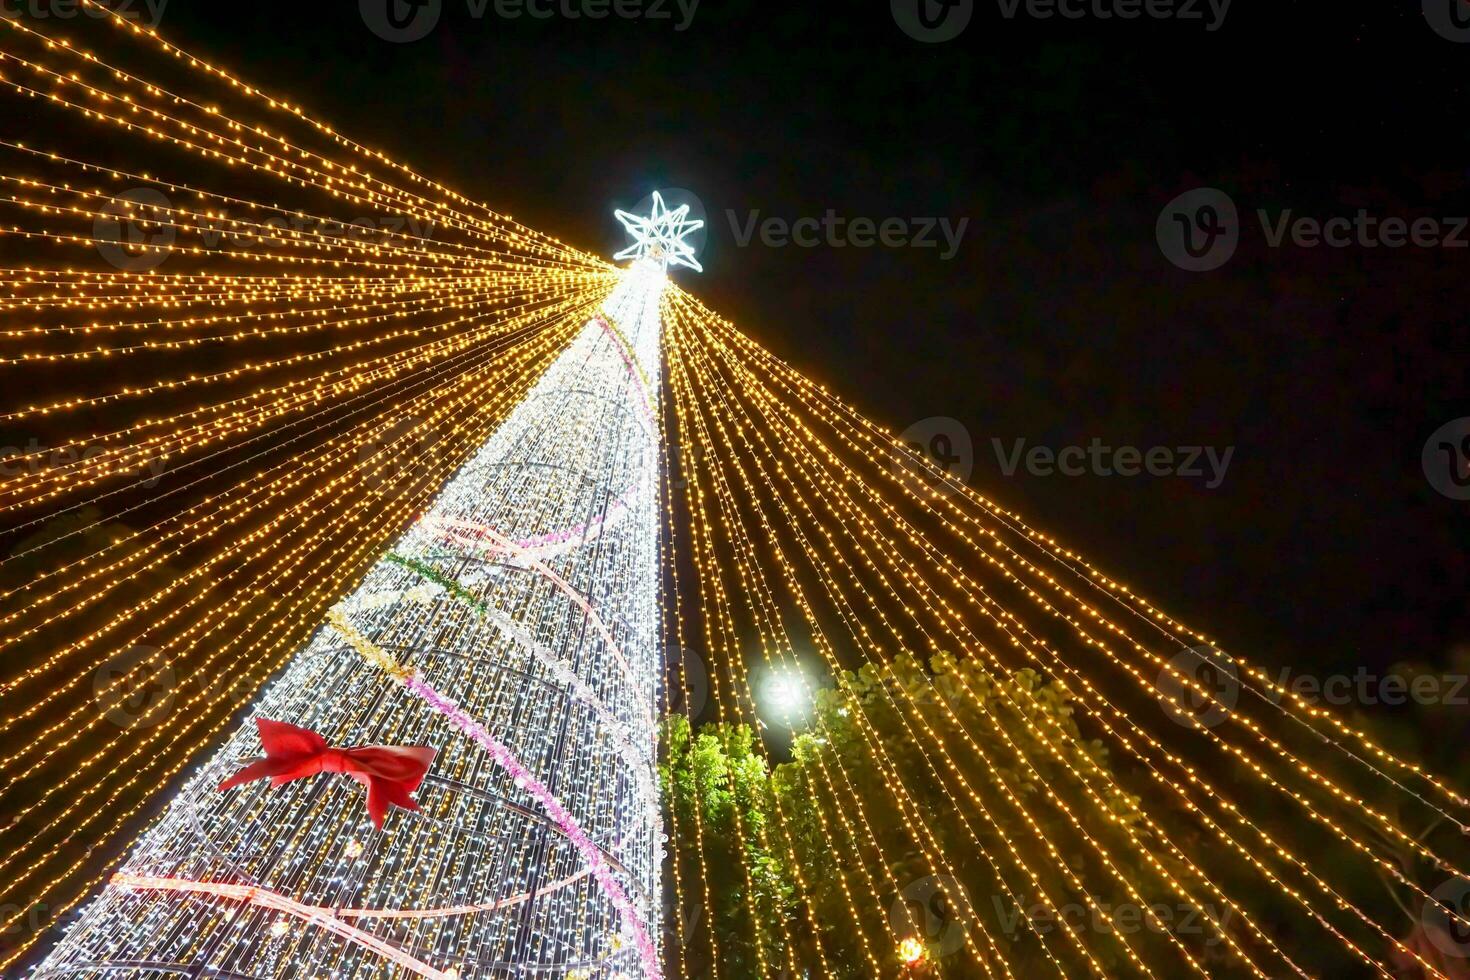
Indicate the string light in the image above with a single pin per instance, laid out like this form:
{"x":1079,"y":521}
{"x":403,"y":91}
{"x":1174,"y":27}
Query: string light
{"x":533,"y":546}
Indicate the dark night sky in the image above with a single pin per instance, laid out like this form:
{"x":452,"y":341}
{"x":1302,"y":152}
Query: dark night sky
{"x":1059,"y":320}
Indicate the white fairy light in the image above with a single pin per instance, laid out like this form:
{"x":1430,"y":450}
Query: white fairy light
{"x":785,"y":695}
{"x":581,"y":452}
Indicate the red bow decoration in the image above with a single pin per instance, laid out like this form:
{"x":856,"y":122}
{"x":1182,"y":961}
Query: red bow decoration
{"x":390,"y":773}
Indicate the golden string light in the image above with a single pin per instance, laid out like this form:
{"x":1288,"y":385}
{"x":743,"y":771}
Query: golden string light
{"x":759,"y":383}
{"x":268,"y":371}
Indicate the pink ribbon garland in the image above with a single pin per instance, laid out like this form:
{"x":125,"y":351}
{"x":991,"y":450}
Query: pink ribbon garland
{"x":541,"y":546}
{"x":625,"y":351}
{"x":325,"y":918}
{"x":566,"y":588}
{"x":568,"y":825}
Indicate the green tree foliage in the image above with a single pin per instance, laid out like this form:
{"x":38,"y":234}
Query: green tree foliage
{"x":973,"y":751}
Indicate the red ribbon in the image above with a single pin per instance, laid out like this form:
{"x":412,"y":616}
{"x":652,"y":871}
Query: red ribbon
{"x":390,"y":773}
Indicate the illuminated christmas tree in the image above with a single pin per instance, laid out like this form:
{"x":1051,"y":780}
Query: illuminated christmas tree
{"x":393,"y":514}
{"x":520,"y":611}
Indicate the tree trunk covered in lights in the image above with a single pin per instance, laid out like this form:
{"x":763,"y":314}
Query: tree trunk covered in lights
{"x":527,"y":594}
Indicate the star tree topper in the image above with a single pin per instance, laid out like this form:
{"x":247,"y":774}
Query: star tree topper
{"x":660,"y":236}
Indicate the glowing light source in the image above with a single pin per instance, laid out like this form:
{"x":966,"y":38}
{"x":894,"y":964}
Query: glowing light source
{"x":661,"y":236}
{"x":911,"y":952}
{"x":786,"y":693}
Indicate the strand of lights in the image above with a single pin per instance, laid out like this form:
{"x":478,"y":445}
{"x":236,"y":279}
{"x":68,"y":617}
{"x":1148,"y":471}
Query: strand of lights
{"x":543,"y":242}
{"x":522,"y":776}
{"x":887,"y":767}
{"x":1336,"y":898}
{"x":850,"y":515}
{"x":844,"y":605}
{"x":278,"y":166}
{"x":360,"y":439}
{"x":1384,"y":864}
{"x":290,"y":561}
{"x":674,"y":611}
{"x":885,"y":444}
{"x":304,"y":393}
{"x":719,"y":636}
{"x":403,"y":617}
{"x":138,"y":454}
{"x":754,"y":583}
{"x":1277,"y":749}
{"x":637,"y":757}
{"x":825,"y":491}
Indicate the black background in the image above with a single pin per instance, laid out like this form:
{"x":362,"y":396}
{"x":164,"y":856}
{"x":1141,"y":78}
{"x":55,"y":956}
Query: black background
{"x":1059,"y":320}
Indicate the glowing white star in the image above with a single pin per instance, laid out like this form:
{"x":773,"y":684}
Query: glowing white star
{"x":660,"y":236}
